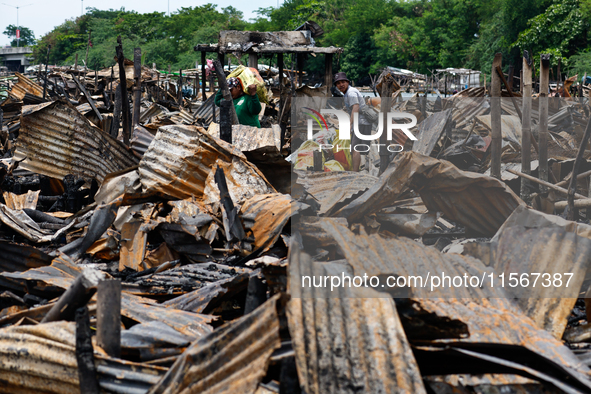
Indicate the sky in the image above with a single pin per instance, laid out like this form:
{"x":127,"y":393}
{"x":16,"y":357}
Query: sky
{"x":43,"y":15}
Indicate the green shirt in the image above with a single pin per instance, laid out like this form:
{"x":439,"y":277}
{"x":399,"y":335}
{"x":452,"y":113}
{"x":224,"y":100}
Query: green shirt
{"x":247,"y":108}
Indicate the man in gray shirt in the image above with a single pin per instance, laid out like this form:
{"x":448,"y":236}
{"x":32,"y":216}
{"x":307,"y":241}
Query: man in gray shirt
{"x":353,"y":102}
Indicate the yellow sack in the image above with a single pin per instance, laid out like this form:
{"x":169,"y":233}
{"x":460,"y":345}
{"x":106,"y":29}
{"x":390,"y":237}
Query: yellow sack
{"x":249,"y":76}
{"x":305,"y":155}
{"x":342,"y":154}
{"x":333,"y":165}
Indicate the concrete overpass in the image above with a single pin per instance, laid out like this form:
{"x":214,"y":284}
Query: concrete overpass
{"x":14,"y":58}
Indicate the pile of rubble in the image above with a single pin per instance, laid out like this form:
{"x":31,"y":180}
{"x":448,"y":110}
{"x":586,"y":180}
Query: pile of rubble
{"x":186,"y":256}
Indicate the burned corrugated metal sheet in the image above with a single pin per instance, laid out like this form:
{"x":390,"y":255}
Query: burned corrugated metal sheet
{"x":430,"y":130}
{"x":140,"y":141}
{"x":56,"y":140}
{"x":141,"y":310}
{"x":476,"y":201}
{"x":21,"y":223}
{"x":233,"y":359}
{"x":347,"y":345}
{"x":41,"y":359}
{"x":244,"y":180}
{"x":183,"y":117}
{"x":547,"y":250}
{"x":491,"y":317}
{"x":179,"y":160}
{"x":18,"y":258}
{"x":250,"y":138}
{"x":205,"y":112}
{"x":331,"y":189}
{"x":24,"y":86}
{"x":270,"y":213}
{"x":153,"y":340}
{"x":16,"y":201}
{"x":154,"y":110}
{"x":201,"y":300}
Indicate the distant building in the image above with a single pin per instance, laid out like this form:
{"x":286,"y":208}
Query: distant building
{"x":15,"y":58}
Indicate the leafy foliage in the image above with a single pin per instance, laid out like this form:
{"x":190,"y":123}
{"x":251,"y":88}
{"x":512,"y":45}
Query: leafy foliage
{"x":421,"y":35}
{"x":27,"y":37}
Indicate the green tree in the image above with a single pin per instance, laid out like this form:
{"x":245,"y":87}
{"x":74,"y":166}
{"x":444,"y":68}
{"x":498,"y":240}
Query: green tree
{"x":559,"y":30}
{"x":27,"y":36}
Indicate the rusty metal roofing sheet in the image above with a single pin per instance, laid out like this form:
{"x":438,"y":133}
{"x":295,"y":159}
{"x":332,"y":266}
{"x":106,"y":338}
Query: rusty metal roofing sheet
{"x":270,"y":213}
{"x":244,"y":180}
{"x":140,"y":141}
{"x":25,"y":85}
{"x":547,"y":250}
{"x":20,"y":201}
{"x":15,"y":257}
{"x":179,"y":160}
{"x":56,"y":140}
{"x":205,"y":112}
{"x":335,"y":187}
{"x":490,"y":315}
{"x":154,"y":110}
{"x":250,"y":138}
{"x":347,"y":345}
{"x":232,"y":359}
{"x":476,"y":201}
{"x":62,"y":272}
{"x":41,"y":359}
{"x":201,"y":300}
{"x":430,"y":130}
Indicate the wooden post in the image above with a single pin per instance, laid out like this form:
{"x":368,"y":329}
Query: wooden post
{"x":282,"y":125}
{"x":117,"y":111}
{"x":510,"y":78}
{"x":328,"y":70}
{"x":85,"y":354}
{"x":300,"y":64}
{"x":226,"y":120}
{"x":526,"y":124}
{"x":543,"y":127}
{"x":124,"y":98}
{"x":111,"y":92}
{"x":221,"y":59}
{"x":211,"y":92}
{"x":196,"y":85}
{"x":317,"y":156}
{"x":137,"y":89}
{"x":108,"y":316}
{"x":224,"y":88}
{"x":386,"y":93}
{"x":253,"y":60}
{"x":495,"y":113}
{"x":204,"y":78}
{"x":445,"y":89}
{"x":180,"y":89}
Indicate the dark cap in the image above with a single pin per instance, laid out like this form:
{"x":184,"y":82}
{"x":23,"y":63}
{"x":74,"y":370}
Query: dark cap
{"x":341,"y":77}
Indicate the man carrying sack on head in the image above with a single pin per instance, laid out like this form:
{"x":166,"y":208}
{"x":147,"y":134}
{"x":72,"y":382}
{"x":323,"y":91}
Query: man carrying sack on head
{"x":247,"y":106}
{"x":354,"y":103}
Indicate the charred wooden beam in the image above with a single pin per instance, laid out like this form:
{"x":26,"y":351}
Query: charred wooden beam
{"x":137,"y":89}
{"x":224,"y":88}
{"x":77,"y":295}
{"x":85,"y":354}
{"x":543,"y":127}
{"x":124,"y":99}
{"x":108,"y":316}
